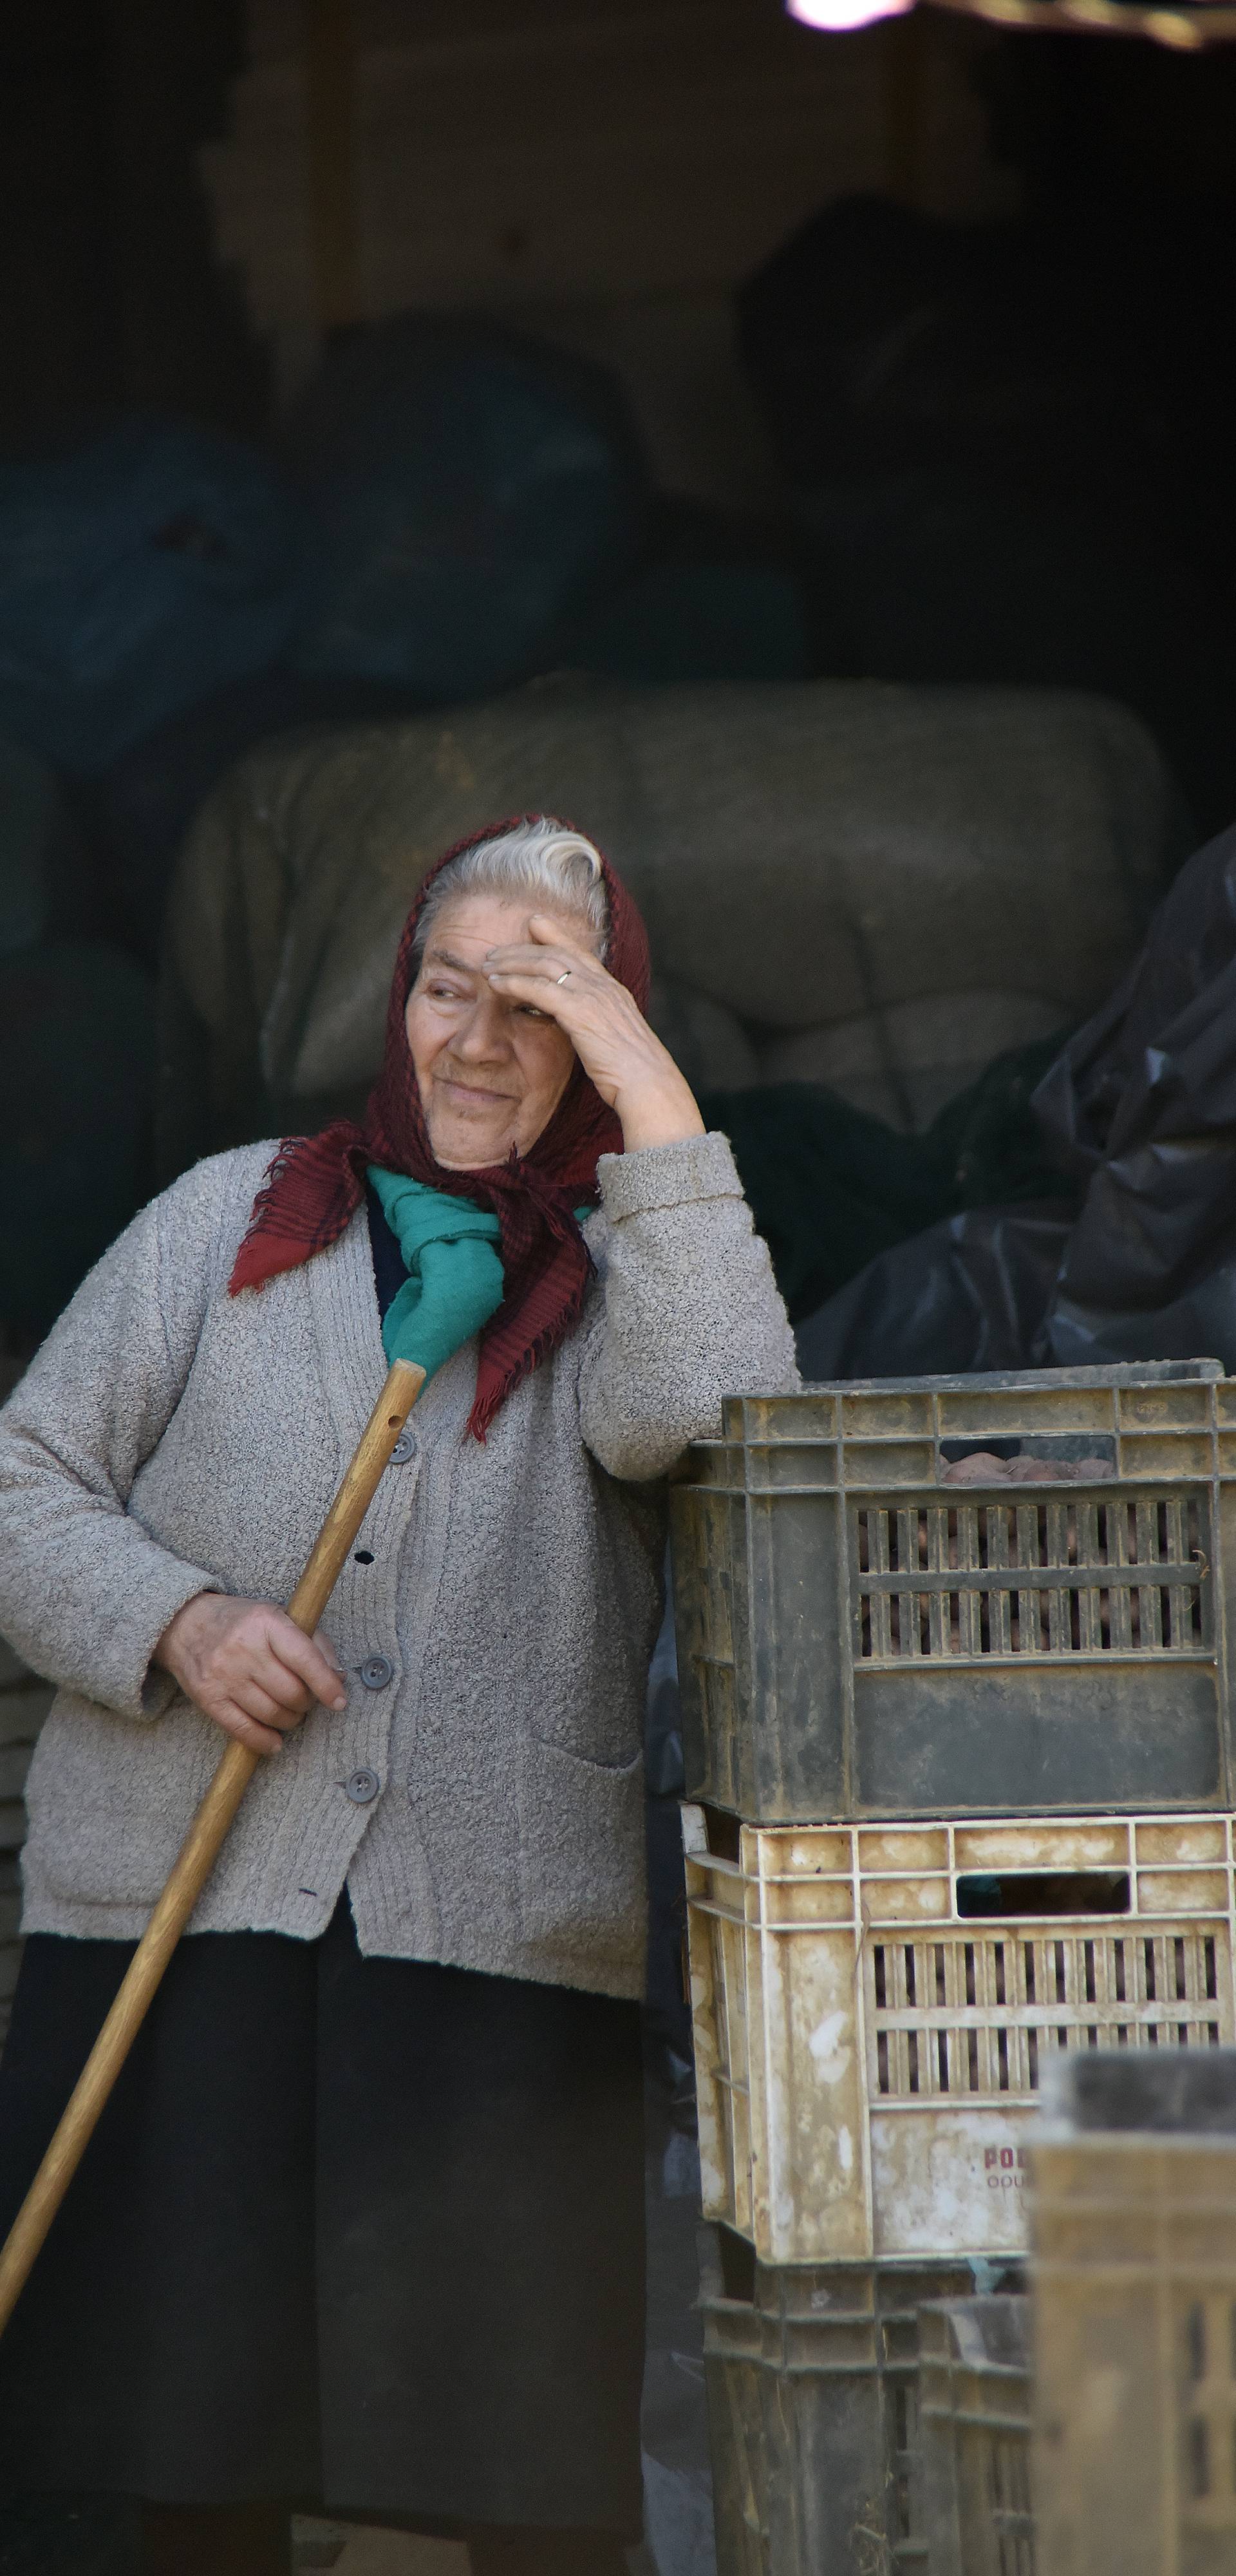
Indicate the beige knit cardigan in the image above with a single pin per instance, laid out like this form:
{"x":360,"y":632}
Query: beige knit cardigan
{"x":481,"y":1796}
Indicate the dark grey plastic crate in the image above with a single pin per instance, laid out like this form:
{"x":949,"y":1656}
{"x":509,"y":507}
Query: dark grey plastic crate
{"x":812,"y":2378}
{"x":975,"y":2426}
{"x":857,"y":1638}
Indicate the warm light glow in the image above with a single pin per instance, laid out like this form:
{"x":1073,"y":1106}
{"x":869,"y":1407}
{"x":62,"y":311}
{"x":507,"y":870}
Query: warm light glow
{"x":836,"y":16}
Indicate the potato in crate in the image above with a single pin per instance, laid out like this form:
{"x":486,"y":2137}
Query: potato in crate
{"x":951,"y":1596}
{"x":874,"y":2005}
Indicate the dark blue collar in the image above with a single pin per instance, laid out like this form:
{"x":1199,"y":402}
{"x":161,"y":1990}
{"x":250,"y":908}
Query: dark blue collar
{"x":389,"y":1272}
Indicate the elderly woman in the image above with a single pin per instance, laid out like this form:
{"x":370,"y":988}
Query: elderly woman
{"x":362,"y":2226}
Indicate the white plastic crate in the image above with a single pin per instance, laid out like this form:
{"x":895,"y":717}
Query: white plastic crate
{"x":872,"y":2005}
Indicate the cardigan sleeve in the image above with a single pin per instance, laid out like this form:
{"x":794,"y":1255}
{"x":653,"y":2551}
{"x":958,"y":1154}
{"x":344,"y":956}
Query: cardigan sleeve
{"x":85,"y":1591}
{"x":690,"y":1311}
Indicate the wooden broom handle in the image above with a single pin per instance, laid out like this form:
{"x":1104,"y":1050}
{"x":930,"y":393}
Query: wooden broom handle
{"x":198,"y":1854}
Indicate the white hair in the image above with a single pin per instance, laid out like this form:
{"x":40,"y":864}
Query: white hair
{"x":555,"y":868}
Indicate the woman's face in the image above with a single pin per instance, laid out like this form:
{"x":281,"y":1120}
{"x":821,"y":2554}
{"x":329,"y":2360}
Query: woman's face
{"x":490,"y":1072}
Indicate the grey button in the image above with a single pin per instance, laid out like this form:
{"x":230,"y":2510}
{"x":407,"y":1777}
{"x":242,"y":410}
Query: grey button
{"x":405,"y":1448}
{"x":377,"y":1671}
{"x":362,"y":1786}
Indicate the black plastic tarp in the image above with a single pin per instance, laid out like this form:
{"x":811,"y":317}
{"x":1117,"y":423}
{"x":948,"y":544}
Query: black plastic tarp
{"x":830,"y":1186}
{"x":1138,"y":1112}
{"x":1142,"y":1105}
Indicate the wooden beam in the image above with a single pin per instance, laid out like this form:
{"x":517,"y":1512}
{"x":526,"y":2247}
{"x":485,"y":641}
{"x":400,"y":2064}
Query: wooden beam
{"x":330,"y":92}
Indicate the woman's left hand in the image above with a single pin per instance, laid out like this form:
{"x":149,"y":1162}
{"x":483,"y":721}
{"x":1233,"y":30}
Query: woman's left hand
{"x":633,"y":1072}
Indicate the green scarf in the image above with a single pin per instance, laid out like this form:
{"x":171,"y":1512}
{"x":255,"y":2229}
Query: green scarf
{"x":455,"y":1279}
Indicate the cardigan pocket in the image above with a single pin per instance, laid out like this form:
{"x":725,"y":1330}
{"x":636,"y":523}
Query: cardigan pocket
{"x":581,"y":1849}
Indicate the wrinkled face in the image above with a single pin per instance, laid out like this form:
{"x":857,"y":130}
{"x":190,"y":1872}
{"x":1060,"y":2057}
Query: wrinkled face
{"x":490,"y":1072}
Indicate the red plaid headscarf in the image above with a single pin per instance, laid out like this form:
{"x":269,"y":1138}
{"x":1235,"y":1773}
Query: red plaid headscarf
{"x":316,"y":1183}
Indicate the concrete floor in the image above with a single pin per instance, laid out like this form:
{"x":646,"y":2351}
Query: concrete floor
{"x":373,"y":2553}
{"x":394,"y":2553}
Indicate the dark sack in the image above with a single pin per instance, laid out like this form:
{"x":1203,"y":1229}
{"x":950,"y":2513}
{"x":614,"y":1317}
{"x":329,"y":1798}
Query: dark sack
{"x":699,"y":621}
{"x":76,"y":1060}
{"x":136,"y":811}
{"x":830,"y":1187}
{"x":1079,"y":349}
{"x":45,"y":879}
{"x":934,"y":576}
{"x":471,"y":490}
{"x":136,"y":574}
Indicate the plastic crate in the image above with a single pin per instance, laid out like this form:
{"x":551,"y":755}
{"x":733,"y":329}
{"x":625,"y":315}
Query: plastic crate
{"x":1184,"y":2091}
{"x":812,"y":2380}
{"x":975,"y":2399}
{"x":872,"y":2006}
{"x":1135,"y":2349}
{"x":857,"y":1639}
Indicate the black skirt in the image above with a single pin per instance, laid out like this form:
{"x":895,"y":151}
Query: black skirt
{"x":365,"y":2234}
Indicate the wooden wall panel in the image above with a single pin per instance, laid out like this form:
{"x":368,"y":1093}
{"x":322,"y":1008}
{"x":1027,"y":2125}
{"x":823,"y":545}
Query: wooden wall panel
{"x":573,"y":160}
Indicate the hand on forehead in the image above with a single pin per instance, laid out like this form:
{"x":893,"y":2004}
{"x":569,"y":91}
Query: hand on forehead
{"x":474,"y":925}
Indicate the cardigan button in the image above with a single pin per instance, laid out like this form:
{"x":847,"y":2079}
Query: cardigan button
{"x":362,"y":1787}
{"x":405,"y":1448}
{"x":377,"y":1671}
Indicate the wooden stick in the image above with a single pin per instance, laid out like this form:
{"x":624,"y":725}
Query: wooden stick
{"x":198,"y":1854}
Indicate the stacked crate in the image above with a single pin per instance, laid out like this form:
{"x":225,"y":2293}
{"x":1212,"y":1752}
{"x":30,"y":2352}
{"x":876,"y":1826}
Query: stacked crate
{"x":959,"y":1759}
{"x":975,"y":2421}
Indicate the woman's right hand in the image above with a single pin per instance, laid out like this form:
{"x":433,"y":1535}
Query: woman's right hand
{"x":249,"y":1667}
